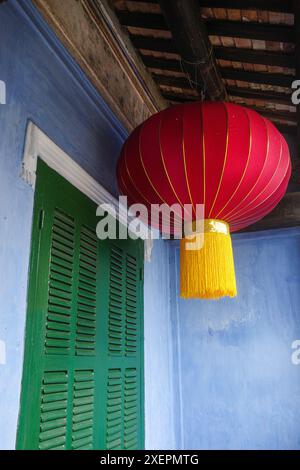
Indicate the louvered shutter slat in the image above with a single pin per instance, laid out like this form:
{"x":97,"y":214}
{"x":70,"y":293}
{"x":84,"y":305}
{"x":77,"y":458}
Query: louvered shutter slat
{"x":54,"y":399}
{"x":123,"y":418}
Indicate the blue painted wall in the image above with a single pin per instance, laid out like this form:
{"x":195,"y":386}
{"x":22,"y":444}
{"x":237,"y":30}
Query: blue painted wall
{"x":46,"y":86}
{"x":239,"y":387}
{"x":217,"y":374}
{"x":160,"y":360}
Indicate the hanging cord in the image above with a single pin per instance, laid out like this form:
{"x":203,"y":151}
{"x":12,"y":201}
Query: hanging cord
{"x":194,"y":81}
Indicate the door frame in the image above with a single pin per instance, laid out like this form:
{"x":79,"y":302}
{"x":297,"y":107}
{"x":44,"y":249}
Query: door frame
{"x":39,"y":145}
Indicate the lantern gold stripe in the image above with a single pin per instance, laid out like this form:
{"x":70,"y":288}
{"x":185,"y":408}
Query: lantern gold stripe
{"x":131,"y":179}
{"x":245,"y":169}
{"x":248,"y":221}
{"x":127,"y":191}
{"x":164,"y":164}
{"x":184,"y":163}
{"x":145,"y":171}
{"x":224,"y":162}
{"x":273,"y":192}
{"x":255,"y":184}
{"x":136,"y":188}
{"x":254,"y":218}
{"x":244,"y":210}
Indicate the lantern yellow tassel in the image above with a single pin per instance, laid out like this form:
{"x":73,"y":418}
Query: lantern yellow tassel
{"x":208,"y":272}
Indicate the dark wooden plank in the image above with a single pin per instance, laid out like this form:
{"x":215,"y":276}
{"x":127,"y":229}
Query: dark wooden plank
{"x":224,"y":53}
{"x":171,"y":65}
{"x":179,"y":98}
{"x":252,"y":56}
{"x":145,"y":1}
{"x":275,"y":79}
{"x":275,"y":114}
{"x":285,"y":6}
{"x":179,"y":82}
{"x":242,"y":29}
{"x":153,"y":44}
{"x":270,"y":97}
{"x":286,"y":129}
{"x":142,"y":20}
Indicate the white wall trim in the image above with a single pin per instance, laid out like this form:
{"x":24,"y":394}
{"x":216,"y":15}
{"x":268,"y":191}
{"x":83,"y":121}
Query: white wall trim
{"x":39,"y":145}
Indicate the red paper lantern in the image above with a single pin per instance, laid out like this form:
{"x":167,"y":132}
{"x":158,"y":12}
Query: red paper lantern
{"x":222,"y":155}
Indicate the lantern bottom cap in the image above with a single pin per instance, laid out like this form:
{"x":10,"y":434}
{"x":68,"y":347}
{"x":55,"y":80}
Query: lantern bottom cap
{"x":206,"y":265}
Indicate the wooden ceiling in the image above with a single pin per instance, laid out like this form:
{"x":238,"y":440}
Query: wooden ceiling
{"x":254,"y":48}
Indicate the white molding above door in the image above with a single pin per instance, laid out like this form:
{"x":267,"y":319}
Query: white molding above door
{"x":39,"y":145}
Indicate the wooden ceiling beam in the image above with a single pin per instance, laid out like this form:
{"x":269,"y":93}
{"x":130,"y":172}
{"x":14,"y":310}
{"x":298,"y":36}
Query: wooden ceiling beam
{"x":275,"y":114}
{"x":153,"y":44}
{"x":190,"y":36}
{"x":287,"y":129}
{"x":231,"y":74}
{"x":249,"y":56}
{"x":179,"y":82}
{"x":269,"y":113}
{"x":174,"y":97}
{"x":171,"y":65}
{"x":284,"y":6}
{"x":250,"y":94}
{"x":241,"y":29}
{"x":254,"y":56}
{"x":275,"y":79}
{"x":270,"y":97}
{"x":249,"y":30}
{"x":142,"y":20}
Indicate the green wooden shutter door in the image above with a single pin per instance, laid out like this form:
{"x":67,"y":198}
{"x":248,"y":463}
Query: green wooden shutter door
{"x":124,"y":370}
{"x":83,"y":368}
